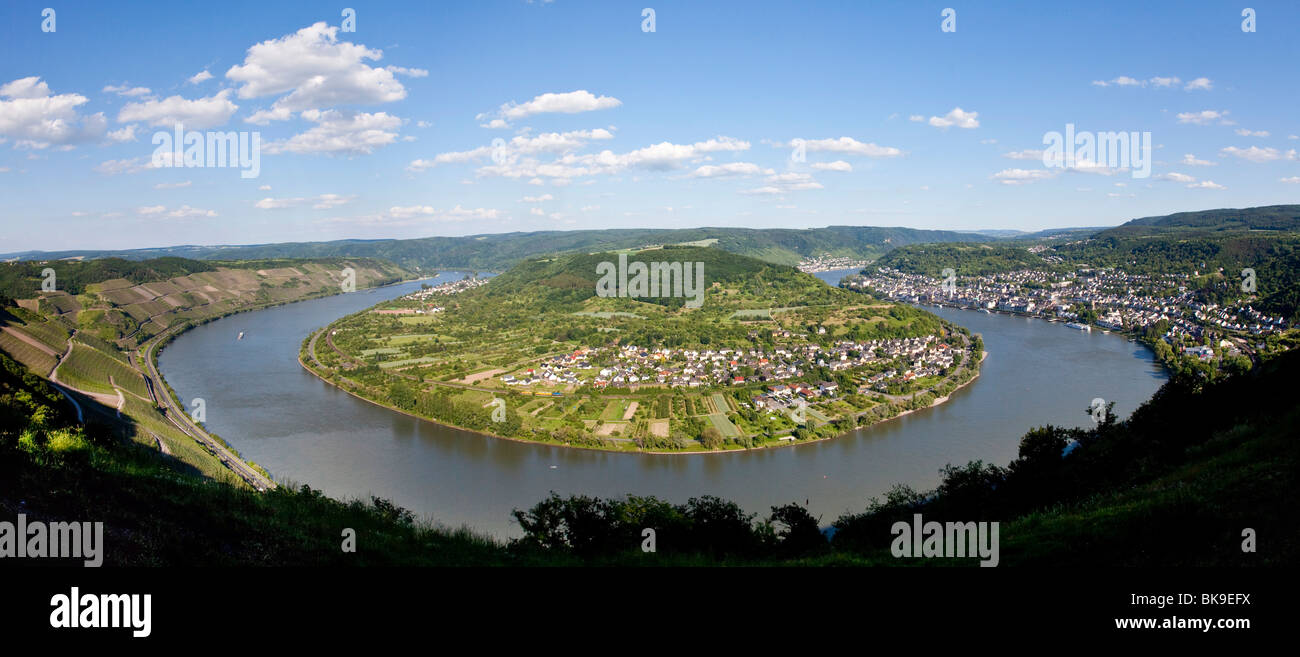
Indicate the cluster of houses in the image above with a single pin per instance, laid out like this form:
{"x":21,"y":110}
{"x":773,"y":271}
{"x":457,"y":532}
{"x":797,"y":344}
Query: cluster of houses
{"x":633,"y":366}
{"x":445,"y":288}
{"x":779,"y":396}
{"x":829,"y":263}
{"x":1123,"y":301}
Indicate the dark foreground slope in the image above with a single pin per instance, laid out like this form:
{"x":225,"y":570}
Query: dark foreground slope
{"x":1176,"y":484}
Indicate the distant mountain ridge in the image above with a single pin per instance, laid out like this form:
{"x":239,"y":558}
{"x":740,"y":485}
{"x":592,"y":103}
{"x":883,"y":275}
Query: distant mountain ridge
{"x":501,"y":250}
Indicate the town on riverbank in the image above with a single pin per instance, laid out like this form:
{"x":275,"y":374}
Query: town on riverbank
{"x":1162,"y":310}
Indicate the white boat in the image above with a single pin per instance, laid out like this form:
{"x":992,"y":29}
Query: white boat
{"x":1081,"y":327}
{"x":241,"y":336}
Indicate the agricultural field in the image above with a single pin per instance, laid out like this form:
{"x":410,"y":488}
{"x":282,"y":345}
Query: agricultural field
{"x":90,"y":369}
{"x":38,"y":360}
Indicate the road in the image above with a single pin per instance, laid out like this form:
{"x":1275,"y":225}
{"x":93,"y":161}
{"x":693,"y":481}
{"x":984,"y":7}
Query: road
{"x":178,"y":417}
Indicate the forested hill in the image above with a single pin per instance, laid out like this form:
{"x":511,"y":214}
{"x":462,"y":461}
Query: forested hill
{"x":497,"y":252}
{"x":1268,"y":217}
{"x":568,"y":283}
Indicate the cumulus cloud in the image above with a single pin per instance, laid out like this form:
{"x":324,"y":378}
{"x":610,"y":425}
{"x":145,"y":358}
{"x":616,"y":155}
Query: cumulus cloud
{"x":1251,"y":133}
{"x":1204,"y":117}
{"x":115,"y":167}
{"x":1190,"y":160}
{"x":1254,"y":153}
{"x":956,"y":117}
{"x":729,"y":169}
{"x":341,"y":133}
{"x":571,"y":102}
{"x":408,"y":72}
{"x":123,"y":135}
{"x":124,"y":90}
{"x":37,"y":119}
{"x":322,"y":202}
{"x":1022,"y":176}
{"x":418,"y":214}
{"x":537,"y":199}
{"x":175,"y":185}
{"x":201,"y":76}
{"x":1177,"y":177}
{"x":1206,"y":184}
{"x":516,"y":158}
{"x":1294,"y":180}
{"x":314,"y":69}
{"x":183,"y":212}
{"x":1028,"y":154}
{"x":1201,"y":84}
{"x":783,"y":183}
{"x":837,"y":165}
{"x":848,"y":146}
{"x":196,"y":114}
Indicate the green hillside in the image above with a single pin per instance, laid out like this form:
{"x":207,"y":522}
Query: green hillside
{"x":497,"y":252}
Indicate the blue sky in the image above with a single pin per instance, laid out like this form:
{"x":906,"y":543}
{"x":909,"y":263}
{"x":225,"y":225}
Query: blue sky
{"x":388,"y":131}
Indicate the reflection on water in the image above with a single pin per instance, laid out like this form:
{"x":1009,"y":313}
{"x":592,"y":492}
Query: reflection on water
{"x":303,"y":430}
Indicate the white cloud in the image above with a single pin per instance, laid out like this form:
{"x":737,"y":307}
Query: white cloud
{"x":1204,"y":117}
{"x":1029,"y":154}
{"x":314,"y":69}
{"x":418,"y":214}
{"x":1022,"y":176}
{"x":1253,"y":154}
{"x":322,"y":202}
{"x":850,"y":146}
{"x":130,"y":92}
{"x":782,"y":183}
{"x":196,"y":114}
{"x":151,"y":209}
{"x":729,"y":169}
{"x":341,"y":133}
{"x":175,"y":185}
{"x":1247,"y":133}
{"x":537,"y":211}
{"x":571,"y":102}
{"x":36,"y":119}
{"x":1190,"y":160}
{"x":537,"y":199}
{"x":495,"y":124}
{"x":186,"y":211}
{"x":1177,"y":177}
{"x":408,"y":72}
{"x":201,"y":76}
{"x":956,"y":117}
{"x":1294,"y":180}
{"x":125,"y":134}
{"x":1157,"y":82}
{"x":837,"y":165}
{"x":114,"y":167}
{"x":1206,"y":184}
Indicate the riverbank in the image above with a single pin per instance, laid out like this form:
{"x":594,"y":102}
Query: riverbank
{"x":308,"y":350}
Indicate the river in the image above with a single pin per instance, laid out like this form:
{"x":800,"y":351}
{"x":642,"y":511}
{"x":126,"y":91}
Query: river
{"x":305,"y":431}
